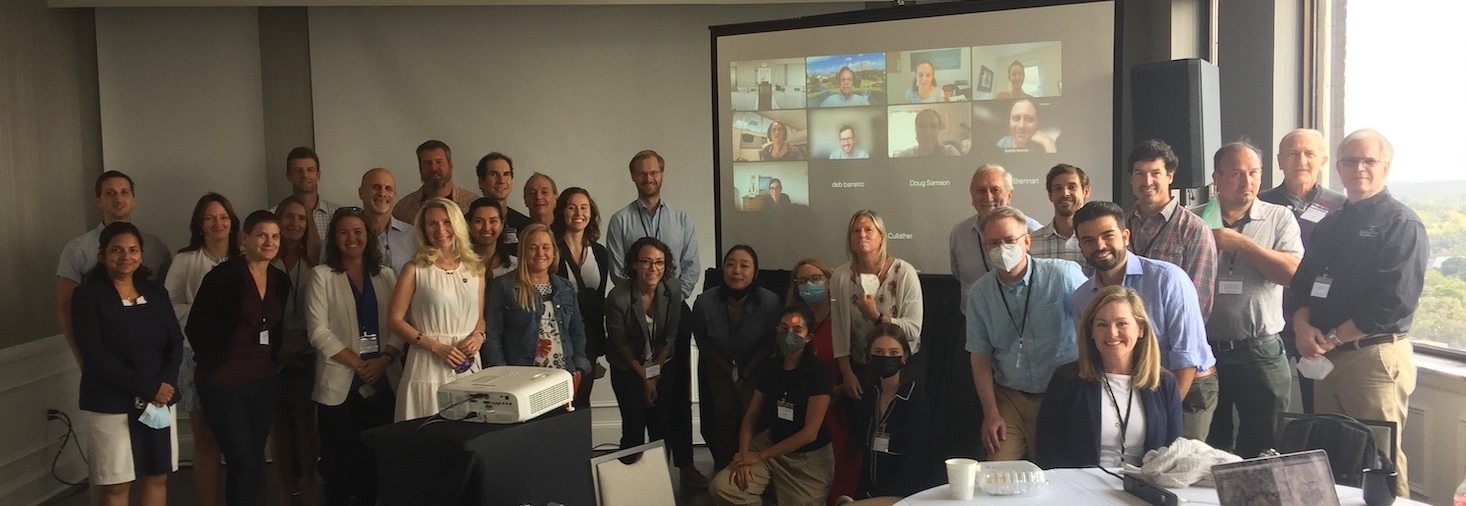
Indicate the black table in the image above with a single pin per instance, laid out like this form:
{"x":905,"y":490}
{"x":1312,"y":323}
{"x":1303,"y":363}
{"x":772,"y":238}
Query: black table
{"x":449,"y":463}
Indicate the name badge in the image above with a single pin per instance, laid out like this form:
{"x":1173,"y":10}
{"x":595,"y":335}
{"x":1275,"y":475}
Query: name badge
{"x":1229,"y":285}
{"x":786,"y":410}
{"x":1313,"y":213}
{"x":511,"y":236}
{"x":1321,"y":287}
{"x":265,"y":337}
{"x":881,"y":443}
{"x":652,"y":370}
{"x":368,"y":343}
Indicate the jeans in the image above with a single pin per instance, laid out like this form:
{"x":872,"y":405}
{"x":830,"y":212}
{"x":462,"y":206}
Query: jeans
{"x":1255,"y":381}
{"x":240,"y":416}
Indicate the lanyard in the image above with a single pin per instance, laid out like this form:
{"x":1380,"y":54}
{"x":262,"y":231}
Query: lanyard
{"x":1017,"y":324}
{"x":1124,"y":422}
{"x":646,"y":223}
{"x":1151,"y":243}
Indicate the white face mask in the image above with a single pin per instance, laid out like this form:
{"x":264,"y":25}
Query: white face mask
{"x":1006,"y":257}
{"x":1315,"y":368}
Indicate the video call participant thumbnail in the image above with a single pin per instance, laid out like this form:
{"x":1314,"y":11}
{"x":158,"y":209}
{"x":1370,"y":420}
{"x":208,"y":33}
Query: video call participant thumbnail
{"x":847,"y":96}
{"x":1024,"y":135}
{"x":929,"y":125}
{"x":1016,"y":76}
{"x":848,"y":150}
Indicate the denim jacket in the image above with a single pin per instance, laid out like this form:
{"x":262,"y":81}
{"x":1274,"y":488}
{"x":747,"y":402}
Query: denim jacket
{"x":513,"y":332}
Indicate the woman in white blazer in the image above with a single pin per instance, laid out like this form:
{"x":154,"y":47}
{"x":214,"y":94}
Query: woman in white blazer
{"x":356,"y":354}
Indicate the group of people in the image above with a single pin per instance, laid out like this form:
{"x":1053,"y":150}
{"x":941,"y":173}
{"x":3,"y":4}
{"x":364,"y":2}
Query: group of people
{"x":313,"y":322}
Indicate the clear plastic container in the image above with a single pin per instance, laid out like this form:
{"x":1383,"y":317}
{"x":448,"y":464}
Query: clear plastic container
{"x":1010,"y":477}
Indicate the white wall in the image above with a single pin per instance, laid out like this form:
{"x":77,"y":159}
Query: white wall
{"x":181,"y":110}
{"x":569,"y":91}
{"x":34,"y":377}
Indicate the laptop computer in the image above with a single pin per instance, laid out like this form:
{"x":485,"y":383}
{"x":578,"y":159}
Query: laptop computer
{"x":1293,"y":479}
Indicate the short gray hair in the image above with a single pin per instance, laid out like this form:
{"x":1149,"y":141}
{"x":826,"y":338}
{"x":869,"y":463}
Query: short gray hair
{"x":1007,"y":177}
{"x":1388,"y":150}
{"x":1002,"y":212}
{"x":1315,"y":135}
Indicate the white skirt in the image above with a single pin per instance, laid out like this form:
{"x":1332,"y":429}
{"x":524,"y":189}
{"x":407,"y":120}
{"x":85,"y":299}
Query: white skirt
{"x":109,"y":446}
{"x":417,"y":392}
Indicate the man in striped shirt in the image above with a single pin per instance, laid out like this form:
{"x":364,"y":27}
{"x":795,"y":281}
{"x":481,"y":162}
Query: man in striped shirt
{"x":1068,"y":188}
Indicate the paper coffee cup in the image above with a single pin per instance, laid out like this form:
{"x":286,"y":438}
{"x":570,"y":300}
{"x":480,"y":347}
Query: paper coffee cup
{"x":962,"y":478}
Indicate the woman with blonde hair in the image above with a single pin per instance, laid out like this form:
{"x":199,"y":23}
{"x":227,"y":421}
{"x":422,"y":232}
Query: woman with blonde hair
{"x":534,"y":315}
{"x":441,"y":291}
{"x":1116,"y":402}
{"x":871,"y":289}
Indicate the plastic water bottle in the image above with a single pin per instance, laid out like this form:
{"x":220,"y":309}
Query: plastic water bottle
{"x":1460,"y":494}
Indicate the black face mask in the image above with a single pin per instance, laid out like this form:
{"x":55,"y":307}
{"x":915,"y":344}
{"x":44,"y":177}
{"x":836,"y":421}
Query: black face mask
{"x":884,"y":367}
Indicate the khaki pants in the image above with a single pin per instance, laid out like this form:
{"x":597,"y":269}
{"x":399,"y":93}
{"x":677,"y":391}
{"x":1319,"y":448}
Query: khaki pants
{"x":1020,"y":412}
{"x":799,"y":479}
{"x":1372,"y":383}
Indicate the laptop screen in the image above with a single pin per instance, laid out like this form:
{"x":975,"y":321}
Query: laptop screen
{"x":1294,"y":479}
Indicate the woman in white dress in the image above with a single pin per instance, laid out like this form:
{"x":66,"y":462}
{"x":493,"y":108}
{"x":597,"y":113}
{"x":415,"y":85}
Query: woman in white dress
{"x":438,"y":308}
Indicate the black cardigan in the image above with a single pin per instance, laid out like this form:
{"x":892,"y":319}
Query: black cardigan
{"x":215,"y":312}
{"x":592,"y":302}
{"x":115,"y":370}
{"x":626,"y":330}
{"x":909,"y":465}
{"x":1069,"y":425}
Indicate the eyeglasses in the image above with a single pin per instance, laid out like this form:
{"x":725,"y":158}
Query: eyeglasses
{"x":348,"y":210}
{"x":1353,"y":162}
{"x":993,"y":243}
{"x":819,"y":278}
{"x":652,"y":264}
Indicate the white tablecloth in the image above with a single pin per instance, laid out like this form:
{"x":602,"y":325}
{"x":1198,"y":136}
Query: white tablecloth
{"x":1075,"y":487}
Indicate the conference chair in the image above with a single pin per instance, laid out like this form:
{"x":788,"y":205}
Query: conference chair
{"x":1352,"y":444}
{"x":645,"y":481}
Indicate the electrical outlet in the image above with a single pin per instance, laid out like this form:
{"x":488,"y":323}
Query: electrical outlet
{"x":53,"y":414}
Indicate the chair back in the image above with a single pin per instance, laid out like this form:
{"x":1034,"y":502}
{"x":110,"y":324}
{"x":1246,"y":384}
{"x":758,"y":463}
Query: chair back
{"x":634,"y":476}
{"x":1351,"y":444}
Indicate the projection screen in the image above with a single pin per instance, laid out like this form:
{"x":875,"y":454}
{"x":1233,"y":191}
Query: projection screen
{"x":893,"y":110}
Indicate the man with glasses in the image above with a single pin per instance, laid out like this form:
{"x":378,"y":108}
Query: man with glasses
{"x":846,"y":96}
{"x":1014,"y":352}
{"x":847,"y":150}
{"x":1356,"y":292}
{"x":650,"y":216}
{"x":394,"y":237}
{"x":991,"y":188}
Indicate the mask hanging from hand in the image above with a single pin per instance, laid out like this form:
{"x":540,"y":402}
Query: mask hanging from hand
{"x":156,"y":417}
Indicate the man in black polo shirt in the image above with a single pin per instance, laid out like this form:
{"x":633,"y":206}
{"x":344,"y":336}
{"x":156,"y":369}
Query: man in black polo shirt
{"x":1356,"y":292}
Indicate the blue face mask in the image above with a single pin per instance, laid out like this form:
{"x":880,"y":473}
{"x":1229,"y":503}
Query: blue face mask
{"x":813,"y":293}
{"x":156,"y":417}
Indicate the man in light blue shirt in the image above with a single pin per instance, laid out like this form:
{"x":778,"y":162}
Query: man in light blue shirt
{"x":649,"y":216}
{"x":847,"y":150}
{"x":395,"y":238}
{"x":1170,"y":302}
{"x":1019,"y":329}
{"x":847,"y":96}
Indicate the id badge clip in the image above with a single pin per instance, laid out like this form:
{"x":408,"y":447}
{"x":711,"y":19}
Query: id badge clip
{"x":368,"y":343}
{"x":882,"y":442}
{"x":1321,"y":287}
{"x":785,"y":410}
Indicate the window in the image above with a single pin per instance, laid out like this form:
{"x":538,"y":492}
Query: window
{"x":1393,"y":71}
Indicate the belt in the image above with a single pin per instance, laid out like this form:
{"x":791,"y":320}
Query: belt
{"x":1243,"y":344}
{"x":1371,"y":340}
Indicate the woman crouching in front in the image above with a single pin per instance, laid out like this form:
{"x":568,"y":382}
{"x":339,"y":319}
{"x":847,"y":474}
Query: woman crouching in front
{"x":783,"y":442}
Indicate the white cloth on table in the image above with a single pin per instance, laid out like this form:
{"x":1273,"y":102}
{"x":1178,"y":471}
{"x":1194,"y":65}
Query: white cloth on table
{"x":1092,"y":487}
{"x":1184,"y":463}
{"x":445,"y":309}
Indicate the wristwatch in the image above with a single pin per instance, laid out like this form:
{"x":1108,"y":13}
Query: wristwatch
{"x":1333,"y":337}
